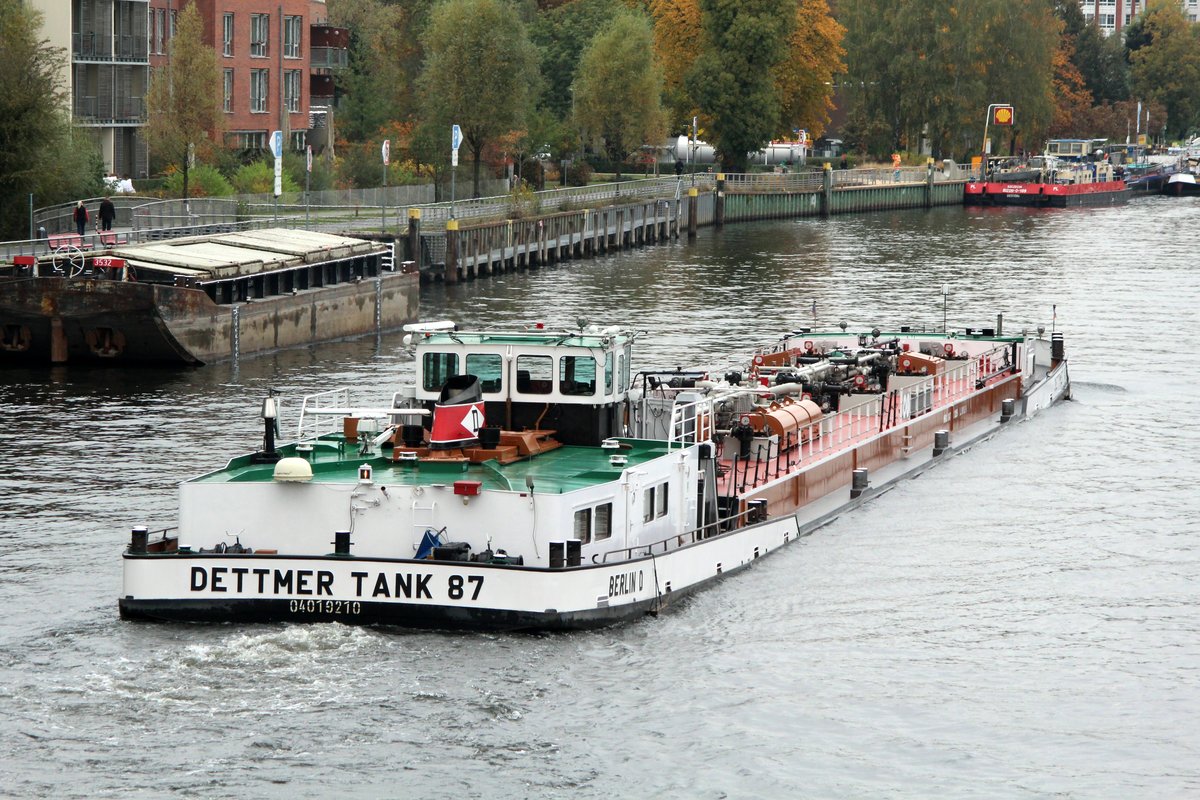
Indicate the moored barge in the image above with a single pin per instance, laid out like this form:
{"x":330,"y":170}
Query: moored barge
{"x":200,"y":299}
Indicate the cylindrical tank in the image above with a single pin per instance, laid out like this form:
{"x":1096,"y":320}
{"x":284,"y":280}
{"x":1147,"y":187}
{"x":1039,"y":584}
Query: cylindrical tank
{"x":785,"y":417}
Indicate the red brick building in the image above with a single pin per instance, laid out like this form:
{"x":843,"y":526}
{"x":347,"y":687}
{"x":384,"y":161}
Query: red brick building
{"x":265,"y":53}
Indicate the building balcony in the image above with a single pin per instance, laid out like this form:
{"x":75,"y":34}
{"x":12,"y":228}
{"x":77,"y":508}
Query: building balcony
{"x":104,"y":48}
{"x":329,"y":58}
{"x":91,"y":111}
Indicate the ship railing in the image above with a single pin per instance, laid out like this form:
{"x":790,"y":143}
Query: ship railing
{"x":691,"y":423}
{"x":313,"y":424}
{"x":678,"y":540}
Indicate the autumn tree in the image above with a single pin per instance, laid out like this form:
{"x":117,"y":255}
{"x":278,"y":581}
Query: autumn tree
{"x":380,"y":84}
{"x":481,"y":73}
{"x":733,"y":81}
{"x":677,"y":37}
{"x":1167,"y":69}
{"x":618,"y":91}
{"x":183,"y":102}
{"x":805,"y":78}
{"x":1073,"y":101}
{"x":39,"y":152}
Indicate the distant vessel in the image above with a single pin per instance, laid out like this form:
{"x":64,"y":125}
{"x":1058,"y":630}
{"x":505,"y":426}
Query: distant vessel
{"x":1073,"y":172}
{"x":199,"y":299}
{"x":533,"y":479}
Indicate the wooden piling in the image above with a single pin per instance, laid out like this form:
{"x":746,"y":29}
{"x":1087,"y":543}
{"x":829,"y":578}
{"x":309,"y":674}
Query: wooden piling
{"x":450,"y":273}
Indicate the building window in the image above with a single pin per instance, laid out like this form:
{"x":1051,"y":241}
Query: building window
{"x":260,"y":83}
{"x":251,"y":140}
{"x":299,"y":140}
{"x":227,"y":36}
{"x":174,"y":19}
{"x":291,"y":36}
{"x":228,"y":106}
{"x":260,"y":35}
{"x":291,"y":89}
{"x":160,"y":24}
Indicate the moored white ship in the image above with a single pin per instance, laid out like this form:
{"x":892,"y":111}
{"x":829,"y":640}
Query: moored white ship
{"x":533,"y":479}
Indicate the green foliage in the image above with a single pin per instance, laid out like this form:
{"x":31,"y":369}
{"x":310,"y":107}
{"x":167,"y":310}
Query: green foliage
{"x":184,"y":101}
{"x":560,"y":35}
{"x":259,"y":178}
{"x":1101,"y":61}
{"x":294,"y":168}
{"x":39,"y":152}
{"x":203,"y":181}
{"x":360,"y":166}
{"x":731,"y":80}
{"x":618,"y":93}
{"x":522,"y":202}
{"x":579,"y":173}
{"x":956,"y":59}
{"x":480,"y":73}
{"x":1167,"y":69}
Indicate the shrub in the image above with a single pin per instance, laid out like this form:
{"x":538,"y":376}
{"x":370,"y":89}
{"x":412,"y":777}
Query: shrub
{"x":579,"y":174}
{"x":259,"y":178}
{"x":203,"y":181}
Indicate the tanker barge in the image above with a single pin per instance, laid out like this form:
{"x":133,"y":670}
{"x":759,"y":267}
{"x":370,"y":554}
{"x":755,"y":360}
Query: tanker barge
{"x":531,"y":479}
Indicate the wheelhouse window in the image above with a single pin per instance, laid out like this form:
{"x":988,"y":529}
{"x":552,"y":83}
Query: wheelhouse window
{"x":608,"y":373}
{"x":260,"y":35}
{"x":535,"y":374}
{"x":436,"y":369}
{"x":489,"y":368}
{"x":577,"y":376}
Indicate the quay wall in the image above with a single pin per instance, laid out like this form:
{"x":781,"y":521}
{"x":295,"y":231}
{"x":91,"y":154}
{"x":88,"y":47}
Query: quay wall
{"x":471,"y":248}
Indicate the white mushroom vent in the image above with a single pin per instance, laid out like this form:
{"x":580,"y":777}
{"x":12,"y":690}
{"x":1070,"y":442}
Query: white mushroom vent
{"x":293,"y":470}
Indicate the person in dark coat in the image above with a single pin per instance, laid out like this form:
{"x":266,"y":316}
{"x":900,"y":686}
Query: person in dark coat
{"x":81,"y":217}
{"x":108,"y":212}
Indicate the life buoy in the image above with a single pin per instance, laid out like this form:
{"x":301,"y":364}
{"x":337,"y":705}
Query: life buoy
{"x":808,"y":347}
{"x":860,"y":381}
{"x":758,"y":361}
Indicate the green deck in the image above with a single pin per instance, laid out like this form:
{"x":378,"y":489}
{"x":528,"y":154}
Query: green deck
{"x":561,"y":470}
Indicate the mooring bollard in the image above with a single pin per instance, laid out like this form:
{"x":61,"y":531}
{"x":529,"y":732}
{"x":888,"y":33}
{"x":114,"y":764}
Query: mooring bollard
{"x":941,"y":442}
{"x":1008,"y":408}
{"x":451,"y":272}
{"x":693,"y":202}
{"x":720,"y":201}
{"x":414,"y":235}
{"x":858,"y":482}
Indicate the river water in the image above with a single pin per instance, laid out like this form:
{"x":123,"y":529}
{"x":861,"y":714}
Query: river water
{"x":1020,"y":622}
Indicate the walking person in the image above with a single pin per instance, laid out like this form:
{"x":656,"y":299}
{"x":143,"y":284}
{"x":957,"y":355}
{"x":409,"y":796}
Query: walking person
{"x":895,"y":167}
{"x":81,"y":217}
{"x":108,"y":212}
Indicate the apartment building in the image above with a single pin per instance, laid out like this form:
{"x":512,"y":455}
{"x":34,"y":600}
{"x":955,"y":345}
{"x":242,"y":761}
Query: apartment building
{"x":1114,"y":15}
{"x":106,"y":74}
{"x":275,"y":57}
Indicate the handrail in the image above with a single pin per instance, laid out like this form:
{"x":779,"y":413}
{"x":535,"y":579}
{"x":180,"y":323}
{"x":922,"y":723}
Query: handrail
{"x":333,"y":398}
{"x":691,"y":535}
